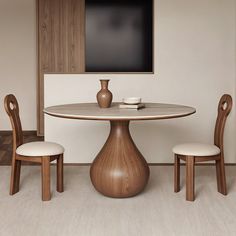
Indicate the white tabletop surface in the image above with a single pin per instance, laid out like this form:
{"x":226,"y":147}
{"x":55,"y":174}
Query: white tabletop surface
{"x":91,"y":111}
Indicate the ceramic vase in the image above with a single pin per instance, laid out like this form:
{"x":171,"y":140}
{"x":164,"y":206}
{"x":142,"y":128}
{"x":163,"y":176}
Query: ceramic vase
{"x":104,"y":96}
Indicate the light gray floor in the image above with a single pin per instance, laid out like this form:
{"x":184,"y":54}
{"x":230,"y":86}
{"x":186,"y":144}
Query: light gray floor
{"x":80,"y":210}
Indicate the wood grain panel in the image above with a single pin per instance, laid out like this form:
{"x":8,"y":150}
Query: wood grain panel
{"x":6,"y":144}
{"x":224,"y":108}
{"x":60,"y":42}
{"x":119,"y":170}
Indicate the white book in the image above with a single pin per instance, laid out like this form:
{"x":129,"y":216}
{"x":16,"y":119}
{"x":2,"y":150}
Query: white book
{"x":131,"y":106}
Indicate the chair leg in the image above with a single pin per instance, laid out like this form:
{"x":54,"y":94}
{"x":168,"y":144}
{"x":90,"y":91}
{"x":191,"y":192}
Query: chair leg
{"x":60,"y":185}
{"x":177,"y":174}
{"x":15,"y":176}
{"x":221,"y":178}
{"x":46,"y":193}
{"x":190,"y":178}
{"x":218,"y":176}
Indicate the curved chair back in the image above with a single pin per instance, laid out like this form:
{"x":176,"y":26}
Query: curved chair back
{"x":12,"y":109}
{"x":224,"y":108}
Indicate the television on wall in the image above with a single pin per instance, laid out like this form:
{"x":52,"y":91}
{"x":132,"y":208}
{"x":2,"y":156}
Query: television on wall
{"x":119,"y":36}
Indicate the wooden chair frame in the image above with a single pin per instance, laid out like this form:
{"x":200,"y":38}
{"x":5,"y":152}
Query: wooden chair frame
{"x":224,"y":108}
{"x":12,"y":109}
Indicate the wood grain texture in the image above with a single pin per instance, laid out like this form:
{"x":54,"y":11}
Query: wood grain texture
{"x":15,"y":176}
{"x":190,"y":196}
{"x":12,"y":109}
{"x":224,"y":108}
{"x":119,"y":170}
{"x":218,"y":176}
{"x":61,"y":28}
{"x":177,"y":174}
{"x":46,"y":189}
{"x":60,"y":175}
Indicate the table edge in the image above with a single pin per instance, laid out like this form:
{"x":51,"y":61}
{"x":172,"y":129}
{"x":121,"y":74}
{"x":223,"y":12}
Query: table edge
{"x":120,"y":118}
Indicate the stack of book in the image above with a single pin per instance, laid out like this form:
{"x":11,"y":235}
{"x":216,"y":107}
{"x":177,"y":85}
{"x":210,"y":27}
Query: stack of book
{"x":132,"y":106}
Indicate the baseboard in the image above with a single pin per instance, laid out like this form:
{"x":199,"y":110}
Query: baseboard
{"x":155,"y":164}
{"x":34,"y":132}
{"x":150,"y":164}
{"x":25,"y":132}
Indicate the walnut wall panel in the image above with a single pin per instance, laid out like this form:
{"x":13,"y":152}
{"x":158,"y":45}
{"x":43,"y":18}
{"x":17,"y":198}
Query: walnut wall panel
{"x":61,"y":34}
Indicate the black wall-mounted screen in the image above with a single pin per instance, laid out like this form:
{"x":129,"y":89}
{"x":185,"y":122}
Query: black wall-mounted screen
{"x":119,"y":36}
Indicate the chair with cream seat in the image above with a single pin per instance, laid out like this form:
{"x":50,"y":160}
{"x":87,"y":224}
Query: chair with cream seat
{"x":192,"y":153}
{"x":38,"y":152}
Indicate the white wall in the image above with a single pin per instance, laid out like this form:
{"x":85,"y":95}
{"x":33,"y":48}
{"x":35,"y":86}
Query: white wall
{"x":18,"y":59}
{"x":194,"y":65}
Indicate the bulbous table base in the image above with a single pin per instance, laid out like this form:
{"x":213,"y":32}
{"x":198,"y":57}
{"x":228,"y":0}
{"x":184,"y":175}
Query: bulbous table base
{"x":119,"y":170}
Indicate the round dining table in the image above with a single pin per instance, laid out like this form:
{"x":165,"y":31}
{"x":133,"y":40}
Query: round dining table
{"x":119,"y":170}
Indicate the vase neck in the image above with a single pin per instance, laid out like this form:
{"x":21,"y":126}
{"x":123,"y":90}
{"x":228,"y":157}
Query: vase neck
{"x":104,"y":84}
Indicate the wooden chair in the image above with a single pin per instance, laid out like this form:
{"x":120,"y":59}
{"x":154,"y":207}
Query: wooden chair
{"x":39,"y":152}
{"x":192,"y":153}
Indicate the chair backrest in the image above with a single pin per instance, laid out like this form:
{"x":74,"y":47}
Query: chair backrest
{"x":224,"y":108}
{"x":12,"y":109}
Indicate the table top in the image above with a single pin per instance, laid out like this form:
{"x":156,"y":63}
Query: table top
{"x":91,"y":111}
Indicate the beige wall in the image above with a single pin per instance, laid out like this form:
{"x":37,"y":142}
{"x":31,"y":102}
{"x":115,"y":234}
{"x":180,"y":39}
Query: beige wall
{"x":194,"y":65}
{"x":18,"y":59}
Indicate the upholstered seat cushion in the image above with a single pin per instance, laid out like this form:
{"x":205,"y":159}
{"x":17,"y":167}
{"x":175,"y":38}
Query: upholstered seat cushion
{"x":39,"y":149}
{"x":196,"y":149}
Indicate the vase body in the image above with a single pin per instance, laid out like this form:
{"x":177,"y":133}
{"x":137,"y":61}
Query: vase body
{"x":104,"y":96}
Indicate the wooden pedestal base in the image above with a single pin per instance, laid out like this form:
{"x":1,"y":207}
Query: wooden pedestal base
{"x":119,"y":170}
